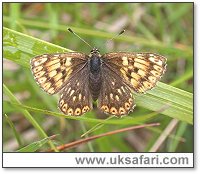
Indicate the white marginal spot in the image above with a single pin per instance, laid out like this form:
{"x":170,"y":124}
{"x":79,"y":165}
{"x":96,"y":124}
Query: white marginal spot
{"x":117,"y":97}
{"x":40,"y":61}
{"x":111,"y":96}
{"x":79,"y":96}
{"x":72,"y":92}
{"x":122,"y":88}
{"x":74,"y":98}
{"x":45,"y":55}
{"x":151,"y":55}
{"x":119,"y":91}
{"x":138,"y":54}
{"x":68,"y":89}
{"x":113,"y":83}
{"x":152,"y":59}
{"x":159,"y":62}
{"x":56,"y":55}
{"x":125,"y":60}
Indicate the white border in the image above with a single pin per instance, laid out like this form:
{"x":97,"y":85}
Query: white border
{"x":123,"y":160}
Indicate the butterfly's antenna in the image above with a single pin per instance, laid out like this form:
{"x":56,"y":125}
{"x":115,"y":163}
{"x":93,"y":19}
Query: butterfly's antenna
{"x":121,"y":32}
{"x":70,"y":30}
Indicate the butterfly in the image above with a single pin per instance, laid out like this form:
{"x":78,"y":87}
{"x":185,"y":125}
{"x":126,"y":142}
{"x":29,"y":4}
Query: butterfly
{"x":109,"y":79}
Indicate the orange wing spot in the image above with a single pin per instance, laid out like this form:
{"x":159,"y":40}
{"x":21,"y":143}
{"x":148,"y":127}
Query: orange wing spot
{"x":53,"y":67}
{"x":70,"y":111}
{"x":135,"y":76}
{"x":57,"y":77}
{"x":59,"y":83}
{"x":77,"y":111}
{"x":105,"y":108}
{"x":127,"y":106}
{"x":134,"y":82}
{"x":42,"y":80}
{"x":152,"y":79}
{"x":130,"y":100}
{"x":64,"y":107}
{"x":155,"y":73}
{"x":61,"y":102}
{"x":85,"y":109}
{"x":39,"y":74}
{"x":125,"y":61}
{"x":142,"y":61}
{"x":54,"y":61}
{"x":51,"y":90}
{"x":147,"y":84}
{"x":37,"y":69}
{"x":158,"y":68}
{"x":113,"y":110}
{"x":122,"y":110}
{"x":40,"y":61}
{"x":46,"y":86}
{"x":141,"y":73}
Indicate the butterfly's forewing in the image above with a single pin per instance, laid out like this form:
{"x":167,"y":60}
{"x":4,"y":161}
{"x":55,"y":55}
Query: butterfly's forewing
{"x":115,"y":96}
{"x":51,"y":71}
{"x":140,"y":70}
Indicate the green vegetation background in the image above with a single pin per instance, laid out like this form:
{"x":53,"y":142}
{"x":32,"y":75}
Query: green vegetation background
{"x":30,"y":115}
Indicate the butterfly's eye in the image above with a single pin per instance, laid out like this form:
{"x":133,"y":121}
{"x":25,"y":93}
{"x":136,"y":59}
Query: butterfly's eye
{"x":94,"y":50}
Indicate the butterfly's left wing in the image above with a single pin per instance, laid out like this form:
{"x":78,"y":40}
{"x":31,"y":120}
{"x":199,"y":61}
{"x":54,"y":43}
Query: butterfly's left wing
{"x":140,"y":70}
{"x":76,"y":98}
{"x":52,"y":71}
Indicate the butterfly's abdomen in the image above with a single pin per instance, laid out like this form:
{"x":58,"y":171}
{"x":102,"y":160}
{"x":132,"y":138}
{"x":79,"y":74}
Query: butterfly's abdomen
{"x":95,"y":80}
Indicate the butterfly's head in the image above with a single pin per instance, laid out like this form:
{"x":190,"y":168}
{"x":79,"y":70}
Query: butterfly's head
{"x":95,"y":51}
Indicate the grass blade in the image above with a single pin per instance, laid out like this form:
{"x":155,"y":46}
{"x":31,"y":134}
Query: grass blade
{"x":27,"y":115}
{"x":20,"y":48}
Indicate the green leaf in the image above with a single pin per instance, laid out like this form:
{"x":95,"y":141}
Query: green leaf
{"x":17,"y":136}
{"x":20,"y":48}
{"x":34,"y":146}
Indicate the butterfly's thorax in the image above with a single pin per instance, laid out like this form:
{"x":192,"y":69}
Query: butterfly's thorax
{"x":95,"y":80}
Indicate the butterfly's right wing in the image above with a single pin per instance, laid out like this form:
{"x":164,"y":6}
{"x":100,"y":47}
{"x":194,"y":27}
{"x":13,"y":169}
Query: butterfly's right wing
{"x":52,"y":71}
{"x":115,"y":95}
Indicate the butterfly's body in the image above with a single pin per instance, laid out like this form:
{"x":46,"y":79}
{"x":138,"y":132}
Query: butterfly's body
{"x":95,"y":76}
{"x":110,"y":79}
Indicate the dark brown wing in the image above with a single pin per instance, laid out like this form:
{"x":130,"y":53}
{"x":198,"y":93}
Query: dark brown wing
{"x":75,"y":97}
{"x":115,"y":96}
{"x":140,"y":70}
{"x":124,"y":72}
{"x":52,"y":71}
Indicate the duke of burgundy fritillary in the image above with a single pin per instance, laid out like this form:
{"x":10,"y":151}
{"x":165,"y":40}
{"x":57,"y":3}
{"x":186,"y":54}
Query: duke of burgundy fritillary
{"x":110,"y":78}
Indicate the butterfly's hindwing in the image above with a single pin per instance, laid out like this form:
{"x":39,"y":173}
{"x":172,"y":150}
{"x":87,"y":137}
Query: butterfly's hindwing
{"x":115,"y":96}
{"x":51,"y":71}
{"x":140,"y":70}
{"x":75,"y":97}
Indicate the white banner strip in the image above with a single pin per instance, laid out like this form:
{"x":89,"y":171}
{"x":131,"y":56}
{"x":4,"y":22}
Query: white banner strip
{"x":97,"y":160}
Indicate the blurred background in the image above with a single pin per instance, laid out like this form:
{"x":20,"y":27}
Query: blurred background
{"x":163,"y":28}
